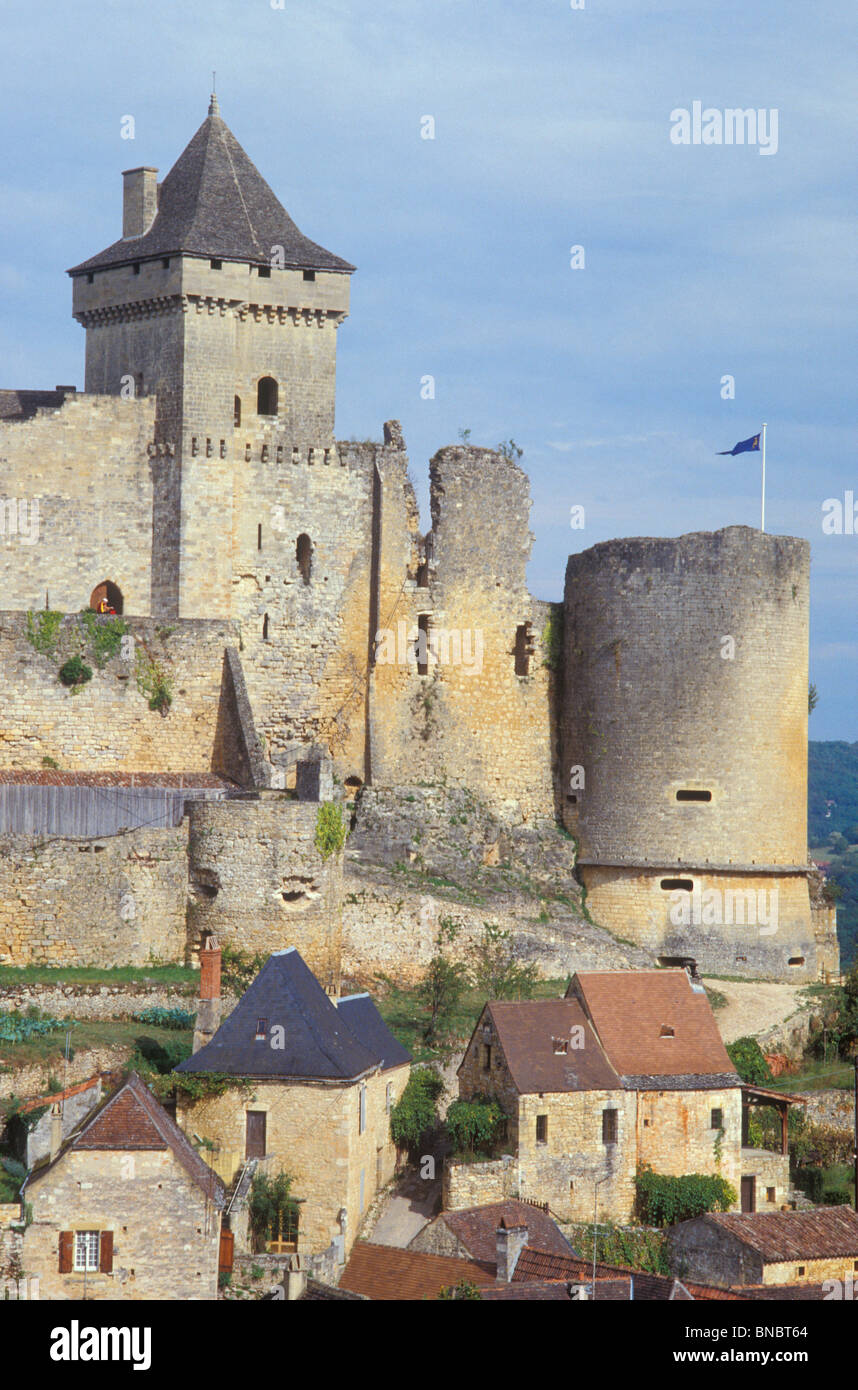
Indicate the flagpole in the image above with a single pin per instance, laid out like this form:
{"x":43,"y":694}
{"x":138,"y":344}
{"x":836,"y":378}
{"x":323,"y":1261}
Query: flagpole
{"x":763,"y":504}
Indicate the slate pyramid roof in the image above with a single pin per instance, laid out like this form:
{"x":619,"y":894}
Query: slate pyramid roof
{"x":129,"y":1119}
{"x":215,"y":203}
{"x":319,"y":1040}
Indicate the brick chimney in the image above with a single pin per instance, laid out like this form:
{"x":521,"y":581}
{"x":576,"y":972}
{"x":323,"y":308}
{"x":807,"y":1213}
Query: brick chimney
{"x":509,"y":1243}
{"x":56,"y":1130}
{"x":139,"y":200}
{"x":208,"y":1003}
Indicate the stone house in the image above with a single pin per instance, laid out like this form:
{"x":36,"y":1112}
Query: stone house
{"x":627,"y":1070}
{"x":318,"y":1080}
{"x":474,"y":1233}
{"x":125,"y":1209}
{"x":767,"y":1248}
{"x":62,"y":1111}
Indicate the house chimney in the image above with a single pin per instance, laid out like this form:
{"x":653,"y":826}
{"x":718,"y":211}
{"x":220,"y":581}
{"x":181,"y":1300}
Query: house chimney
{"x":139,"y":200}
{"x":208,"y":1004}
{"x":294,"y":1278}
{"x":509,"y":1243}
{"x":56,"y":1130}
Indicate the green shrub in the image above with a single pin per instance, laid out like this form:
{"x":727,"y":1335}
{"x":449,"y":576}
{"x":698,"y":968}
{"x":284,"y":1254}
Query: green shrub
{"x":105,"y":635}
{"x":152,"y":680}
{"x":43,"y":630}
{"x":415,"y":1114}
{"x":75,"y":671}
{"x":662,"y":1200}
{"x":330,"y":829}
{"x":747,"y":1057}
{"x":159,"y":1017}
{"x":497,"y":973}
{"x":475,"y":1125}
{"x":272,"y":1210}
{"x":840,"y":1198}
{"x":809,"y":1181}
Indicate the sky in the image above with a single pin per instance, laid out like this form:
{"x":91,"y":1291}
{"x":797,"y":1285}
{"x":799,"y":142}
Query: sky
{"x":552,"y":130}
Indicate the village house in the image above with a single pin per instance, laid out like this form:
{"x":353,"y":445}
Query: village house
{"x":125,"y":1208}
{"x":768,"y":1248}
{"x":627,"y":1070}
{"x":32,"y":1129}
{"x":318,"y":1080}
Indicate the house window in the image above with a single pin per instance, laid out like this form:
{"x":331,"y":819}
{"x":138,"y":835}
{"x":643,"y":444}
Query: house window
{"x":165,"y":263}
{"x":216,"y":264}
{"x":136,"y":267}
{"x":362,"y":1110}
{"x":487,"y":1056}
{"x":523,"y":649}
{"x":309,"y":274}
{"x":667,"y":1031}
{"x":688,"y":794}
{"x":236,"y":411}
{"x":561,"y":1046}
{"x":90,"y":277}
{"x":304,"y":556}
{"x":800,"y":1271}
{"x":266,"y":396}
{"x":86,"y":1250}
{"x":609,"y":1126}
{"x":264,"y":272}
{"x":261,"y":1029}
{"x":672,"y":884}
{"x":717,"y":1119}
{"x":770,"y":1194}
{"x":542,"y":1129}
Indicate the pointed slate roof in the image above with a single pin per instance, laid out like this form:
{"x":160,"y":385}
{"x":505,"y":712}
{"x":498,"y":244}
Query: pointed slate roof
{"x":131,"y":1119}
{"x":318,"y":1040}
{"x":215,"y":203}
{"x":370,"y":1028}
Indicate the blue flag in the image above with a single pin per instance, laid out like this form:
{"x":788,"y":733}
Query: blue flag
{"x":744,"y":446}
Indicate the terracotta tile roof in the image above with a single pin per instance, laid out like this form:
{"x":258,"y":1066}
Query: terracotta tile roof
{"x":59,"y":1095}
{"x":527,"y":1029}
{"x":537,"y":1291}
{"x":131,"y":1119}
{"x":51,"y":777}
{"x":821,"y":1234}
{"x":215,"y":203}
{"x":777,"y":1293}
{"x":538,"y":1265}
{"x":632,"y":1011}
{"x":387,"y":1273}
{"x":476,"y":1228}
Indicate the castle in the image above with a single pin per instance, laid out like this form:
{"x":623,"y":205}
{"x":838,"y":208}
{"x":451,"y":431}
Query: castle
{"x":288,"y":628}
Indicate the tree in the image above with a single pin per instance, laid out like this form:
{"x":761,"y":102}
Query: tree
{"x":443,"y":984}
{"x":747,"y":1057}
{"x":509,"y":450}
{"x":475,"y":1125}
{"x":415,"y":1114}
{"x":812,"y":698}
{"x":272,"y":1210}
{"x":497,"y":973}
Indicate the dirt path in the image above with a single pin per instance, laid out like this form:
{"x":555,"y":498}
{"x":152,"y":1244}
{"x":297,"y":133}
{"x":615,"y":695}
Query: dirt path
{"x":752,"y":1007}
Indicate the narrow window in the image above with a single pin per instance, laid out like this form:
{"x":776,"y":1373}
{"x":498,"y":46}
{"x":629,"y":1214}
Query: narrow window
{"x":685,"y":884}
{"x":216,"y":264}
{"x":90,"y":277}
{"x":259,"y":536}
{"x":236,"y":411}
{"x":136,"y":267}
{"x":362,"y":1110}
{"x":523,"y":649}
{"x":265,"y":628}
{"x":304,"y":556}
{"x":770,"y":1194}
{"x":542,"y":1129}
{"x":266,"y":396}
{"x":165,"y":263}
{"x":800,"y":1271}
{"x":86,"y":1250}
{"x":717,"y":1119}
{"x":423,"y":644}
{"x":689,"y":795}
{"x":309,"y":274}
{"x":487,"y":1056}
{"x":609,"y":1126}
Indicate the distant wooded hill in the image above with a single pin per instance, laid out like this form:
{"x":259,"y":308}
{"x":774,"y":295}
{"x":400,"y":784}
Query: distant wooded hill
{"x":832,"y":829}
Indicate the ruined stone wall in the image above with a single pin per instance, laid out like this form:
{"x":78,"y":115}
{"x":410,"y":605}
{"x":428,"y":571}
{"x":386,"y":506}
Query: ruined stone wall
{"x":165,"y":1233}
{"x":258,"y":882}
{"x":106,"y":723}
{"x":116,"y":901}
{"x":88,"y":467}
{"x":476,"y":1185}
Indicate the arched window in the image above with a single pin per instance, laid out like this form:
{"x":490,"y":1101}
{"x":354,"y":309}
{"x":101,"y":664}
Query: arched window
{"x":304,"y":556}
{"x":106,"y":598}
{"x":266,"y":396}
{"x":236,"y":411}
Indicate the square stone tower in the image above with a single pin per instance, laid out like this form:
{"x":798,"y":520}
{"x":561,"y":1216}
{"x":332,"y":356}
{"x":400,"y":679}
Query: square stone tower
{"x":215,"y":303}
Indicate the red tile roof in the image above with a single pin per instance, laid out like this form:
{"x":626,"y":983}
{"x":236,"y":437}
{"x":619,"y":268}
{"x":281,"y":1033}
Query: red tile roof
{"x":527,"y":1030}
{"x":476,"y":1228}
{"x":632,"y":1010}
{"x":384,"y":1272}
{"x":59,"y":1095}
{"x":778,"y":1236}
{"x":538,"y":1265}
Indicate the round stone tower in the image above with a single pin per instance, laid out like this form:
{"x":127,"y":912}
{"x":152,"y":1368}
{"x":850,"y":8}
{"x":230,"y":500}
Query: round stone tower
{"x":685,"y":746}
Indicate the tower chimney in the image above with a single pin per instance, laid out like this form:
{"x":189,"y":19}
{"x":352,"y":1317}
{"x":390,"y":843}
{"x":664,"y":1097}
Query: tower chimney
{"x":56,"y":1130}
{"x":509,"y":1243}
{"x":208,"y":1004}
{"x":139,"y":200}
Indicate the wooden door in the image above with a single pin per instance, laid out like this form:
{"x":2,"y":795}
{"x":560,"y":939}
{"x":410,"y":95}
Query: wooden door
{"x":227,"y":1246}
{"x":749,"y":1194}
{"x":254,"y":1146}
